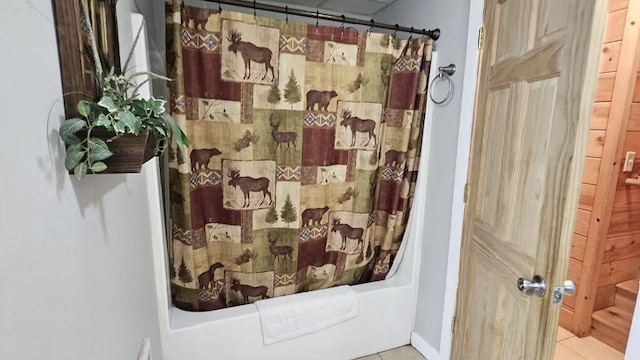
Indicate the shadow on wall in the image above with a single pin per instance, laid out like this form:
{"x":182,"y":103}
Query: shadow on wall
{"x":89,"y":192}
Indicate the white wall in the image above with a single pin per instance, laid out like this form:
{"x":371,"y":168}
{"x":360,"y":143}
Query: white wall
{"x":633,"y":345}
{"x":76,"y":276}
{"x":453,"y":20}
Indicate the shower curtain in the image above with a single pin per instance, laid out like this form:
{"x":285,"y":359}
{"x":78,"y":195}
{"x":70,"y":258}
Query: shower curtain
{"x":305,"y":144}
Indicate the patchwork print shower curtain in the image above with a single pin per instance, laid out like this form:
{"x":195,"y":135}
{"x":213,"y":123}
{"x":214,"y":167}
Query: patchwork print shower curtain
{"x":303,"y":159}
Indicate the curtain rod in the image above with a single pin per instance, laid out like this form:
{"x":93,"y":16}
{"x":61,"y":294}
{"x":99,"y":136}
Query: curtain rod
{"x":433,"y":34}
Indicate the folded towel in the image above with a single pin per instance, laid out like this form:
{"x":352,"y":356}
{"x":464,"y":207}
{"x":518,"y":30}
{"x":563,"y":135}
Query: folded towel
{"x":287,"y":317}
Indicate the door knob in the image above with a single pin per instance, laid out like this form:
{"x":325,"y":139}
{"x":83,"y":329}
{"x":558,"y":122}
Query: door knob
{"x":568,"y":288}
{"x":535,"y":286}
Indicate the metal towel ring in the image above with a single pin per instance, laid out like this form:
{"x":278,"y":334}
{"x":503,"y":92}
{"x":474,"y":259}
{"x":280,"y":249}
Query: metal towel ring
{"x":443,"y":73}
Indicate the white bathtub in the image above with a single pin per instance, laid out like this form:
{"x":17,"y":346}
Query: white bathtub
{"x":387,"y":308}
{"x":386,"y":319}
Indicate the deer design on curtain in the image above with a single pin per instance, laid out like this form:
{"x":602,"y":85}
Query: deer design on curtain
{"x":303,"y":158}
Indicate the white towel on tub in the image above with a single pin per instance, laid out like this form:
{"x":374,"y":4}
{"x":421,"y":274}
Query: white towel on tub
{"x":290,"y":316}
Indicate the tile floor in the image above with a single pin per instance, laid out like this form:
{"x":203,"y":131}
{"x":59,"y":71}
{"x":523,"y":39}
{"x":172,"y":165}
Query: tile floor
{"x":401,"y":353}
{"x":570,"y":347}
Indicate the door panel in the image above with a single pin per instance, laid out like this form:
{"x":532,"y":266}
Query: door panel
{"x":553,"y":18}
{"x":513,"y":15}
{"x":490,"y":203}
{"x":533,"y":158}
{"x":494,"y":336}
{"x":533,"y":107}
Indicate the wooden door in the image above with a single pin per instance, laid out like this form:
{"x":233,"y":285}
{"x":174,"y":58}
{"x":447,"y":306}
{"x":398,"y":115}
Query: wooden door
{"x":535,"y":93}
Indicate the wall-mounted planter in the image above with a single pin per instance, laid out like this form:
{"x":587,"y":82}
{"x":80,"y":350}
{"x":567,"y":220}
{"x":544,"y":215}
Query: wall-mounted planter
{"x":116,"y":106}
{"x":130,"y":151}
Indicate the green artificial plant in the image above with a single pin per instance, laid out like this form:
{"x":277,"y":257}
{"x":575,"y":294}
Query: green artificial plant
{"x":119,"y":110}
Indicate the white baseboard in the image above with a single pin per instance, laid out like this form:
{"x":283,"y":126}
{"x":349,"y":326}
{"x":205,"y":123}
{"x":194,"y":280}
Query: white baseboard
{"x":424,"y":348}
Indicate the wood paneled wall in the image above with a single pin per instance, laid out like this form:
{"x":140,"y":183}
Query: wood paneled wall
{"x":606,"y":244}
{"x":621,"y":261}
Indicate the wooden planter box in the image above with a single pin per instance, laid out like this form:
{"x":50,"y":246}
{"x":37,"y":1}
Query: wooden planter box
{"x":129,"y":151}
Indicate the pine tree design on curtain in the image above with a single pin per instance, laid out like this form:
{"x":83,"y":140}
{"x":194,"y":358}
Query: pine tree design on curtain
{"x":304,"y":154}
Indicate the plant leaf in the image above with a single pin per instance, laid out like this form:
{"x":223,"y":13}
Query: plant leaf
{"x":107,"y":103}
{"x":103,"y":120}
{"x":84,"y":108}
{"x":81,"y":170}
{"x":157,"y":106}
{"x":99,"y":150}
{"x":98,"y":166}
{"x":139,"y":107}
{"x":72,"y":140}
{"x":74,"y":156}
{"x":132,"y":121}
{"x":97,"y":144}
{"x":133,"y":47}
{"x":74,"y":148}
{"x":135,"y":90}
{"x":160,"y":130}
{"x":178,"y":135}
{"x":96,"y":155}
{"x":153,"y":75}
{"x":70,"y":127}
{"x":119,"y":127}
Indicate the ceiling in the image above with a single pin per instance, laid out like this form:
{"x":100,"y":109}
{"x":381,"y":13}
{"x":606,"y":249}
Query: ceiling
{"x":356,"y":7}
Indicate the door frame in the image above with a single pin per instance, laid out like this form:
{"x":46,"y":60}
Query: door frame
{"x":476,"y":10}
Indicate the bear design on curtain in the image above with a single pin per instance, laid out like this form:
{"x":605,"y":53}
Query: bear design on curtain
{"x":303,"y":159}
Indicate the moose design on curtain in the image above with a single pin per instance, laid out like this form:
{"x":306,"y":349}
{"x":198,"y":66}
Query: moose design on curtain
{"x":303,"y":159}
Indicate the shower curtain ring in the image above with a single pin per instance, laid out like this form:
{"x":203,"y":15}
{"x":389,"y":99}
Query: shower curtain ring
{"x":317,"y":19}
{"x":342,"y":25}
{"x":395,"y":32}
{"x":219,"y":7}
{"x":286,"y":14}
{"x":373,"y":23}
{"x":254,"y":9}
